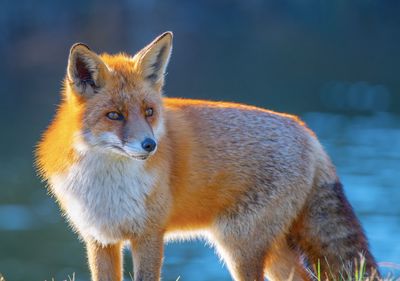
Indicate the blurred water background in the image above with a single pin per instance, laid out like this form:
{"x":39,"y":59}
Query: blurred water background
{"x":334,"y":63}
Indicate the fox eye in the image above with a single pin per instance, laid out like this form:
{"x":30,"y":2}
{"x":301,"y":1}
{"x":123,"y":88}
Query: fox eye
{"x":113,"y":115}
{"x":149,"y":112}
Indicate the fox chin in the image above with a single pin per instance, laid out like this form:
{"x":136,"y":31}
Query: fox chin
{"x":127,"y":164}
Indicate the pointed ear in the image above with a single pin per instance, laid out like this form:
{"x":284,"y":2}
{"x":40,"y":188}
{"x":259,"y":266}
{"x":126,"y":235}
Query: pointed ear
{"x":152,"y":60}
{"x":86,"y":72}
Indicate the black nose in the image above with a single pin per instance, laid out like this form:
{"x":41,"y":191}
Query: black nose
{"x":149,"y":145}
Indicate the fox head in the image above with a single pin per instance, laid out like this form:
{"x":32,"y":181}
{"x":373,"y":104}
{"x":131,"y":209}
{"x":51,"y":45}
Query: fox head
{"x":120,"y":98}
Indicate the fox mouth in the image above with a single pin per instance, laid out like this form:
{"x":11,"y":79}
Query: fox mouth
{"x":139,"y":157}
{"x":130,"y":155}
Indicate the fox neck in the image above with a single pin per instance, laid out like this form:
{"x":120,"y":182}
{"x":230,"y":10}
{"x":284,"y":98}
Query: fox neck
{"x":104,"y":197}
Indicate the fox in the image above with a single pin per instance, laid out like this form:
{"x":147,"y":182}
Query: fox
{"x":129,"y":166}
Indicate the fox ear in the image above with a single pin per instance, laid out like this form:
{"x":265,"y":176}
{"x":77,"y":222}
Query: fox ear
{"x":86,"y":71}
{"x":152,"y":60}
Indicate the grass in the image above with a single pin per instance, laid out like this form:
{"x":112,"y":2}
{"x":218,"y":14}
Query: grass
{"x":352,"y":273}
{"x":358,"y":274}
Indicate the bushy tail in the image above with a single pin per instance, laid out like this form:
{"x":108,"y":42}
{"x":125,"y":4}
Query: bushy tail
{"x":330,"y":235}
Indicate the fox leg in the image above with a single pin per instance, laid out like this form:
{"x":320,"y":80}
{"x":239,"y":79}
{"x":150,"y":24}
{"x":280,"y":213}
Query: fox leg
{"x":330,"y":234}
{"x":105,"y":261}
{"x":246,"y":233}
{"x":283,"y":263}
{"x":244,"y":262}
{"x":243,"y":243}
{"x":147,"y":257}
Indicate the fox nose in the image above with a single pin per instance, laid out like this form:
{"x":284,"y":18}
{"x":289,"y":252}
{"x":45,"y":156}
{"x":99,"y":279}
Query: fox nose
{"x":149,"y":145}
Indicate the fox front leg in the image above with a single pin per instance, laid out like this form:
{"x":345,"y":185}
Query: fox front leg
{"x":105,"y":261}
{"x":147,"y":256}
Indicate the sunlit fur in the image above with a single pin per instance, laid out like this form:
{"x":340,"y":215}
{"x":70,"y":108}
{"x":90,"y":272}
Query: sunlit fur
{"x":256,"y":183}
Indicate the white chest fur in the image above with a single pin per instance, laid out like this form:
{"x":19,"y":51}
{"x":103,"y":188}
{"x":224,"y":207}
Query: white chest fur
{"x":104,"y":197}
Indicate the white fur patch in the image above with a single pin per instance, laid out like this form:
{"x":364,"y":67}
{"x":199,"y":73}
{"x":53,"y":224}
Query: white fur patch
{"x":159,"y":129}
{"x":104,"y":195}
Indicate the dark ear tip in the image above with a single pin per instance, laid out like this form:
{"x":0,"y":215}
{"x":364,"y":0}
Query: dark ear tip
{"x":167,"y":34}
{"x":78,"y":45}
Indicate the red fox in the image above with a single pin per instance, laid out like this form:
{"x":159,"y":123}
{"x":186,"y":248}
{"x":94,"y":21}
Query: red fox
{"x":127,"y":164}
